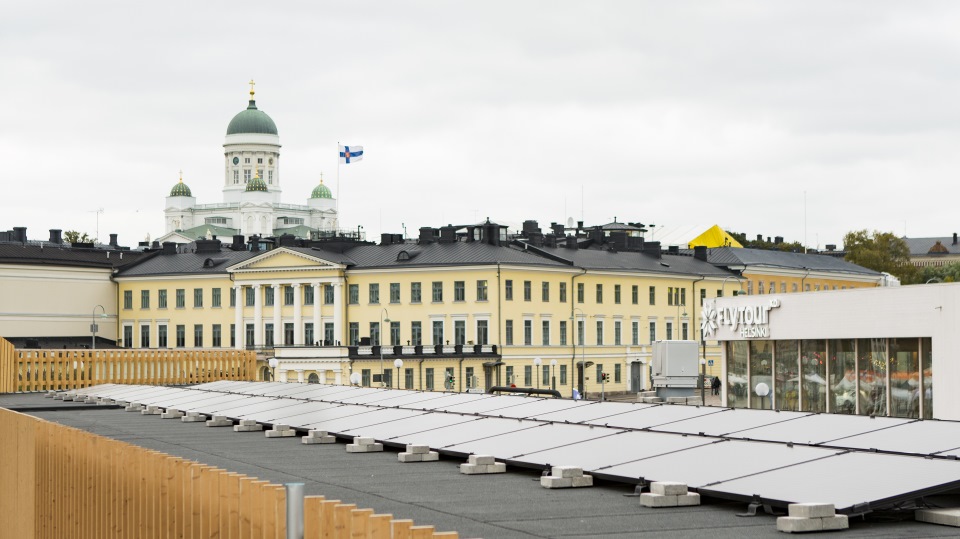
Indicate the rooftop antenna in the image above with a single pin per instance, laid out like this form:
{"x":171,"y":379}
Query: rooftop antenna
{"x":100,"y":210}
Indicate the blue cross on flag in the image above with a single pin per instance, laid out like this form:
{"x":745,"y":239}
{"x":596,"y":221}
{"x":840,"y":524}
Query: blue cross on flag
{"x":349,"y":154}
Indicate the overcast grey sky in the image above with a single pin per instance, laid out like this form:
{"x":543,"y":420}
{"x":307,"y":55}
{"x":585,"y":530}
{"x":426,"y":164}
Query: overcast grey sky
{"x":664,"y":112}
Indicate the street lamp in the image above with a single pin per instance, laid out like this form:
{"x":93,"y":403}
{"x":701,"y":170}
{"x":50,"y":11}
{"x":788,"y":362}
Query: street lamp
{"x":380,"y":340}
{"x":703,"y":381}
{"x":93,"y":325}
{"x":583,"y":345}
{"x":536,"y":365}
{"x":273,"y":368}
{"x":724,"y":282}
{"x":553,"y":374}
{"x":398,"y":363}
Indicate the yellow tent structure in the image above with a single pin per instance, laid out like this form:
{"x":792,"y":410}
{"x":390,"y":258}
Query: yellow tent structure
{"x":714,"y":237}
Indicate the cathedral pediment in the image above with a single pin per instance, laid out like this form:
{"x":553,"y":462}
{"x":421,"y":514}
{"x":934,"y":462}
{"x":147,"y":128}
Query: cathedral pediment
{"x":284,"y":259}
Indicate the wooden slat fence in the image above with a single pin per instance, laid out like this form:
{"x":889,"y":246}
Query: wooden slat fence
{"x":42,"y":370}
{"x":61,"y":482}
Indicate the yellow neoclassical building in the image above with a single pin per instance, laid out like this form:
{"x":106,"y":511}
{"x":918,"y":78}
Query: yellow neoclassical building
{"x":460,"y":308}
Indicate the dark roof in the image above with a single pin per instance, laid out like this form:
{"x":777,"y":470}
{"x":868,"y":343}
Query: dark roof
{"x":922,"y":246}
{"x":635,"y":261}
{"x":187,"y":263}
{"x":734,"y":256}
{"x":430,"y":254}
{"x":52,"y":254}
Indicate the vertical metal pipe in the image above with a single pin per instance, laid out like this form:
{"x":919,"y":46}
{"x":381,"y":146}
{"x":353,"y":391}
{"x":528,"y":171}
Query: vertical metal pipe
{"x":294,"y":510}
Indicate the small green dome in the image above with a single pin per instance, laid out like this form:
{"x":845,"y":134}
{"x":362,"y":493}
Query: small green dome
{"x":321,"y":191}
{"x":180,"y":190}
{"x":252,"y":120}
{"x":256,"y":184}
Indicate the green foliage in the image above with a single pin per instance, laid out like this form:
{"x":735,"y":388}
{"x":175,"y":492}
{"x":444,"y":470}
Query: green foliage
{"x":944,"y":274}
{"x":72,"y":236}
{"x":762,"y":244}
{"x":880,"y":251}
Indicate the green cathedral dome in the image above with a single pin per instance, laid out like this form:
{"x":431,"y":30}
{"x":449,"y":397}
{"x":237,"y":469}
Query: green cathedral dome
{"x":256,"y":184}
{"x":252,"y":120}
{"x":180,"y":190}
{"x":321,"y":191}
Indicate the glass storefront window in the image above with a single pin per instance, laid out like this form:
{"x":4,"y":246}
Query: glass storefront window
{"x":787,"y":396}
{"x":842,"y":379}
{"x":905,"y":378}
{"x":761,"y":369}
{"x":926,"y":353}
{"x":737,"y":374}
{"x":813,"y":371}
{"x":872,"y":369}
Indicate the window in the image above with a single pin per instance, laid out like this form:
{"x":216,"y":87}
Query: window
{"x":616,"y":294}
{"x":469,"y":377}
{"x":217,"y":336}
{"x":268,"y":335}
{"x":328,"y":334}
{"x":508,"y":289}
{"x":374,"y":293}
{"x":408,"y":378}
{"x":395,"y":333}
{"x":635,"y":333}
{"x":459,"y":332}
{"x":669,"y":331}
{"x":181,"y":298}
{"x":545,"y":376}
{"x":437,"y":332}
{"x":249,"y":334}
{"x":308,"y":295}
{"x":144,"y":336}
{"x":793,"y":287}
{"x":653,"y":332}
{"x":482,"y":290}
{"x":259,"y":160}
{"x":365,"y":377}
{"x":783,"y":288}
{"x":415,"y":293}
{"x":616,"y":373}
{"x":162,"y":336}
{"x":416,"y":333}
{"x":354,"y":294}
{"x":563,"y":292}
{"x":527,"y":292}
{"x":703,"y":295}
{"x":429,"y":378}
{"x":599,"y":293}
{"x":616,"y":333}
{"x":162,"y":299}
{"x":510,"y":379}
{"x":545,"y":332}
{"x":288,"y":295}
{"x":581,"y":334}
{"x":563,"y":375}
{"x":144,"y":299}
{"x":599,"y":371}
{"x":750,"y":288}
{"x":683,"y":331}
{"x":653,"y":295}
{"x":251,"y":297}
{"x":236,"y":176}
{"x":563,"y":333}
{"x":354,"y":333}
{"x":635,"y":294}
{"x":599,"y":332}
{"x":246,"y":174}
{"x":437,"y":287}
{"x":459,"y":293}
{"x":197,"y":297}
{"x":528,"y":332}
{"x":394,"y":292}
{"x":673,"y":296}
{"x":328,"y":292}
{"x":181,"y":335}
{"x":483,"y":332}
{"x":128,"y":336}
{"x":387,"y":378}
{"x":545,"y":291}
{"x":233,"y":335}
{"x":288,"y":333}
{"x":215,"y":299}
{"x":375,"y":333}
{"x":128,"y":299}
{"x":308,"y":337}
{"x":580,"y":289}
{"x":268,"y":298}
{"x":528,"y":375}
{"x":508,"y":332}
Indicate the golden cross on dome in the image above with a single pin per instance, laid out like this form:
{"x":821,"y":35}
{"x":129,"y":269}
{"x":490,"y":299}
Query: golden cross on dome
{"x":321,"y":177}
{"x":252,"y":84}
{"x":181,"y":175}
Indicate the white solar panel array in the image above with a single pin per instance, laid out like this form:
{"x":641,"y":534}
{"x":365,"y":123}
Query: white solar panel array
{"x":856,"y":463}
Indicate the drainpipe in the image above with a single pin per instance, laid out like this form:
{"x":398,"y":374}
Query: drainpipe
{"x":460,"y":374}
{"x":703,"y":343}
{"x":573,"y":332}
{"x":804,"y":278}
{"x":420,"y":374}
{"x":499,"y":323}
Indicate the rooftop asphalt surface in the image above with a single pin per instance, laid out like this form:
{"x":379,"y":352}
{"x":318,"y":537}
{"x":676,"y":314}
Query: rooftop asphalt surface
{"x":511,"y":505}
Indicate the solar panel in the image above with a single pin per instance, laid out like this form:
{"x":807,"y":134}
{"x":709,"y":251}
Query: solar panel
{"x":402,"y":431}
{"x":535,"y":408}
{"x":846,"y":480}
{"x":653,"y":416}
{"x":590,"y":411}
{"x":353,"y":422}
{"x":327,"y":415}
{"x":917,"y":437}
{"x":465,"y":432}
{"x":410,"y":399}
{"x":538,"y":437}
{"x":817,"y":429}
{"x":727,"y":421}
{"x":621,"y":446}
{"x":454,"y":399}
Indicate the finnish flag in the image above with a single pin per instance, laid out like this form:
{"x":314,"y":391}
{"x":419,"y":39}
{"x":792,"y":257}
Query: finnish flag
{"x":349,"y":154}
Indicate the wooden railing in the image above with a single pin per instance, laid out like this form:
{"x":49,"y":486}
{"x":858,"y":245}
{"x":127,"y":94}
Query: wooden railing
{"x":57,"y":481}
{"x":41,"y":370}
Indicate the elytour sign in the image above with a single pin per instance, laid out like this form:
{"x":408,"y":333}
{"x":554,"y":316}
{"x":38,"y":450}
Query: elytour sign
{"x":748,"y":321}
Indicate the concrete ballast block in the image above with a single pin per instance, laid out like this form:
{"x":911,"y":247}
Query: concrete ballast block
{"x":248,"y":425}
{"x":944,"y":517}
{"x":811,"y":510}
{"x":105,"y":402}
{"x":677,"y":400}
{"x":193,"y":417}
{"x":430,"y":456}
{"x":836,"y":522}
{"x":649,"y":499}
{"x":318,"y":437}
{"x":481,"y":459}
{"x":171,"y":413}
{"x":799,"y":524}
{"x":418,"y":448}
{"x":652,"y":400}
{"x":364,"y":448}
{"x":668,"y":488}
{"x":133,"y":407}
{"x":152,"y":410}
{"x":566,"y":471}
{"x":688,"y":499}
{"x":280,"y":431}
{"x":478,"y":469}
{"x":219,"y":421}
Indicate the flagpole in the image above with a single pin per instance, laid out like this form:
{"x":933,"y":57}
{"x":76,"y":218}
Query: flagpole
{"x":338,"y":186}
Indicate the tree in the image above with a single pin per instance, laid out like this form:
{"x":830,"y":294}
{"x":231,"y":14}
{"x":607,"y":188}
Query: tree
{"x":944,"y":274}
{"x":880,"y":251}
{"x":793,"y":247}
{"x":72,"y":236}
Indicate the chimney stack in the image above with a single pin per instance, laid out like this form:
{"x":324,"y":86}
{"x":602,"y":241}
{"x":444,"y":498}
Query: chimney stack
{"x":700,"y":252}
{"x":55,"y":236}
{"x":113,"y":240}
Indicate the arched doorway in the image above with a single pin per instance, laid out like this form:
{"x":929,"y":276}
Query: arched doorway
{"x":313,"y":378}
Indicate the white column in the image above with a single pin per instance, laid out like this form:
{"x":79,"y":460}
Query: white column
{"x":322,"y":374}
{"x":317,"y":321}
{"x":338,"y":315}
{"x":277,"y":307}
{"x":258,"y":315}
{"x":281,"y":374}
{"x":239,"y":333}
{"x":300,"y":375}
{"x":338,"y":378}
{"x":297,"y":318}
